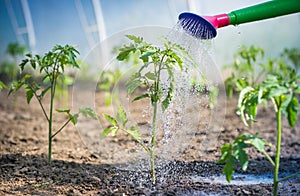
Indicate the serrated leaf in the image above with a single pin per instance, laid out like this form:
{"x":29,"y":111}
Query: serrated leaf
{"x":121,"y":116}
{"x":258,"y":143}
{"x":241,"y":155}
{"x":228,"y":169}
{"x":86,"y":111}
{"x":110,"y":119}
{"x":134,"y":38}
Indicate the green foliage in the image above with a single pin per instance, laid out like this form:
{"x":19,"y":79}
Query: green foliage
{"x":9,"y":69}
{"x":243,"y":69}
{"x":293,"y":56}
{"x":151,"y":61}
{"x":282,"y":89}
{"x":235,"y":151}
{"x":250,"y":68}
{"x":51,"y":66}
{"x":107,"y":81}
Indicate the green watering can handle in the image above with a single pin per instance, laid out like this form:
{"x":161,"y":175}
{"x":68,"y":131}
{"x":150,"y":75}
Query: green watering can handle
{"x":262,"y":11}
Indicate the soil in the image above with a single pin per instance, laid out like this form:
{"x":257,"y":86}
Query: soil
{"x":77,"y":169}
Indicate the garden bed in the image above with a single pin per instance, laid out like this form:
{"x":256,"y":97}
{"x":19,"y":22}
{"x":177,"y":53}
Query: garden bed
{"x":76,"y":170}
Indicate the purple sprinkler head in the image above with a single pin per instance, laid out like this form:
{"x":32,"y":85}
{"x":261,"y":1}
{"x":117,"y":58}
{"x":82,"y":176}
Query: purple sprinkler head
{"x":202,"y":27}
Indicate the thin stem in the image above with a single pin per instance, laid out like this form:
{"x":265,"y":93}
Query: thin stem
{"x":153,"y":134}
{"x":52,"y":93}
{"x":277,"y":157}
{"x":40,"y":102}
{"x":61,"y":128}
{"x":290,"y":176}
{"x":269,"y":158}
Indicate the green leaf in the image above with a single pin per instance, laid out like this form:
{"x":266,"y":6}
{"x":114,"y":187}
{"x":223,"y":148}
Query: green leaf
{"x":150,"y":75}
{"x":73,"y":118}
{"x":106,"y":131}
{"x":134,"y":38}
{"x":133,"y":85}
{"x":146,"y":55}
{"x":292,"y":111}
{"x":110,"y":119}
{"x":225,"y":149}
{"x":121,"y":116}
{"x":166,"y":102}
{"x":177,"y":59}
{"x":124,"y":53}
{"x":241,"y":155}
{"x":29,"y":94}
{"x":141,"y":97}
{"x":258,"y":143}
{"x":44,"y":91}
{"x":134,"y":133}
{"x":228,"y":169}
{"x":86,"y":111}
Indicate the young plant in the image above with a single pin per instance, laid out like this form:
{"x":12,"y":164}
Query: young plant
{"x":15,"y":51}
{"x":282,"y":91}
{"x":107,"y":81}
{"x":52,"y":67}
{"x":243,"y":69}
{"x":153,"y":61}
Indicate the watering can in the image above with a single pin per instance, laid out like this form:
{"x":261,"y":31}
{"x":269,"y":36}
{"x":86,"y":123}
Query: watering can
{"x":205,"y":27}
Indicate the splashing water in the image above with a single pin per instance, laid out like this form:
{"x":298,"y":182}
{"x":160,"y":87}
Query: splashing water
{"x":187,"y":130}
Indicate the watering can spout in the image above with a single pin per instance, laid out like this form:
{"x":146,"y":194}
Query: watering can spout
{"x":190,"y":22}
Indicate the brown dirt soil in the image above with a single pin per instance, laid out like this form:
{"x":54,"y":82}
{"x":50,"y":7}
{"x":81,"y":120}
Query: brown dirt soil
{"x":76,"y":170}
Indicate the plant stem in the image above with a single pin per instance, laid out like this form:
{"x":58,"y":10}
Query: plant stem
{"x":50,"y":127}
{"x":61,"y":128}
{"x":269,"y":158}
{"x":290,"y":176}
{"x":153,"y":134}
{"x":277,"y":157}
{"x":52,"y":93}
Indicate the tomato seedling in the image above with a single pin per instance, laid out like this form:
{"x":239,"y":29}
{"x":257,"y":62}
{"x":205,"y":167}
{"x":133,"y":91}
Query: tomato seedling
{"x":51,"y":66}
{"x":282,"y":90}
{"x":153,"y":61}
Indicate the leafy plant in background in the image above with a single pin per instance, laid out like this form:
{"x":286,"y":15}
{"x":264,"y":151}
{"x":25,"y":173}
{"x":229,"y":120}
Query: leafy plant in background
{"x":243,"y":69}
{"x":250,"y":69}
{"x":158,"y":60}
{"x":282,"y":90}
{"x":51,"y":66}
{"x":9,"y":69}
{"x":292,"y":55}
{"x":107,"y":81}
